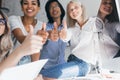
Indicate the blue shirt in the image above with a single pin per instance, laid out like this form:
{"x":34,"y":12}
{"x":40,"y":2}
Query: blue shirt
{"x":53,"y":50}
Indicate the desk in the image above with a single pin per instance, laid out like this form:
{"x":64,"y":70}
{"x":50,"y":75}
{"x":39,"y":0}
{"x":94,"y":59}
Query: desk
{"x":113,"y":65}
{"x":113,"y":76}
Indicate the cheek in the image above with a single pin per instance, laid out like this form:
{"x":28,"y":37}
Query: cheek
{"x":70,"y":14}
{"x":59,"y":11}
{"x":37,"y":8}
{"x":80,"y":11}
{"x":111,"y":10}
{"x":23,"y":9}
{"x":50,"y":11}
{"x":1,"y":30}
{"x":101,"y":8}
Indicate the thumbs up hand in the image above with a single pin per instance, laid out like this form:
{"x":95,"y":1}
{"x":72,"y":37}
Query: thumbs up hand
{"x":43,"y":33}
{"x":32,"y":44}
{"x":63,"y":32}
{"x":53,"y":34}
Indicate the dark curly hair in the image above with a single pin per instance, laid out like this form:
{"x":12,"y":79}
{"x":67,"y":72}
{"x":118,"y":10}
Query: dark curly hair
{"x":21,"y":2}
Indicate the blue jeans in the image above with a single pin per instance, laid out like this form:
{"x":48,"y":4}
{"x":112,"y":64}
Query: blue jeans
{"x":73,"y":68}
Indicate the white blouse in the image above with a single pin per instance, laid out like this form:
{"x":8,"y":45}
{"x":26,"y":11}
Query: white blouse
{"x":86,"y":43}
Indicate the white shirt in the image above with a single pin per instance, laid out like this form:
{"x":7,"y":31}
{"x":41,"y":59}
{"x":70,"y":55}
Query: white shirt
{"x":112,"y":29}
{"x":86,"y":43}
{"x":82,"y":45}
{"x":109,"y":47}
{"x":16,"y":22}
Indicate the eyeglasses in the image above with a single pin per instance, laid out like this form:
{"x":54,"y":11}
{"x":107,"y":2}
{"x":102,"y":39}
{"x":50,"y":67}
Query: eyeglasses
{"x":107,"y":3}
{"x":2,"y":22}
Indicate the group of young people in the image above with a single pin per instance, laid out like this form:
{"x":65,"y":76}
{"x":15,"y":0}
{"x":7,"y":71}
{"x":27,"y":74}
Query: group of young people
{"x":92,"y":39}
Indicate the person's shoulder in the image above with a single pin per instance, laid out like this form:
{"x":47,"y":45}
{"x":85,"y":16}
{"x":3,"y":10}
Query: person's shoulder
{"x":13,"y":16}
{"x":115,"y":24}
{"x":93,"y":18}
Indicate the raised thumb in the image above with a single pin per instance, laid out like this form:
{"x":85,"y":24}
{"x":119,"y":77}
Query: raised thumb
{"x":44,"y":26}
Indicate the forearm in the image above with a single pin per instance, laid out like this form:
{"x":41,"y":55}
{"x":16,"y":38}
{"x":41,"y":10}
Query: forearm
{"x":35,"y":57}
{"x":10,"y":61}
{"x":19,"y":35}
{"x":21,"y":39}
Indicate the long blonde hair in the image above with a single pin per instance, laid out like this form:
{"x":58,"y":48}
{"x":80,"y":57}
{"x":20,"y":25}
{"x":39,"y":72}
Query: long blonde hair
{"x":71,"y":22}
{"x":5,"y":40}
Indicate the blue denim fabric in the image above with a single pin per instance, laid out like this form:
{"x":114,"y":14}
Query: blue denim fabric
{"x":24,"y":60}
{"x":73,"y":68}
{"x":53,"y":50}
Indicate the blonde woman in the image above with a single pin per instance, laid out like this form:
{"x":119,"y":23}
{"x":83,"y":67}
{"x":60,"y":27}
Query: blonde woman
{"x":31,"y":44}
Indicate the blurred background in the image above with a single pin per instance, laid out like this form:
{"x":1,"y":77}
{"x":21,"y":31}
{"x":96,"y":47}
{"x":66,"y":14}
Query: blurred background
{"x":15,"y":9}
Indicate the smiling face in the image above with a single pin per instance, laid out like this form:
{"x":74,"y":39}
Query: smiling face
{"x":75,"y":10}
{"x":54,"y":10}
{"x":30,"y":7}
{"x":106,"y":7}
{"x":2,"y":25}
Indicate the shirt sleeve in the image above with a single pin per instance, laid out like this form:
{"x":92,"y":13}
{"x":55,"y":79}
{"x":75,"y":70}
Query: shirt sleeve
{"x":14,"y":22}
{"x":99,"y":25}
{"x":117,"y":27}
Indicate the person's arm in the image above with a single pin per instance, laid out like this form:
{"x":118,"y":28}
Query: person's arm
{"x":15,"y":28}
{"x":54,"y":33}
{"x":117,"y":27}
{"x":11,"y":60}
{"x":20,"y":37}
{"x":31,"y":44}
{"x":63,"y":33}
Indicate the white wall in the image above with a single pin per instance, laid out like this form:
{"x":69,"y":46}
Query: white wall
{"x":15,"y":9}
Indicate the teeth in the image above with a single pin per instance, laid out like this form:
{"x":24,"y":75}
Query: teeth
{"x":54,"y":12}
{"x":107,"y":9}
{"x":29,"y":10}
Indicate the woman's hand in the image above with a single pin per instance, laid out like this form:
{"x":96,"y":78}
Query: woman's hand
{"x":54,"y":34}
{"x":32,"y":44}
{"x":63,"y":32}
{"x":43,"y":33}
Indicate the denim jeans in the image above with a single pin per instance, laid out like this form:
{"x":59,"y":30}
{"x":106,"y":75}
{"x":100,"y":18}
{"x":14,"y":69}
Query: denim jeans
{"x":73,"y":68}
